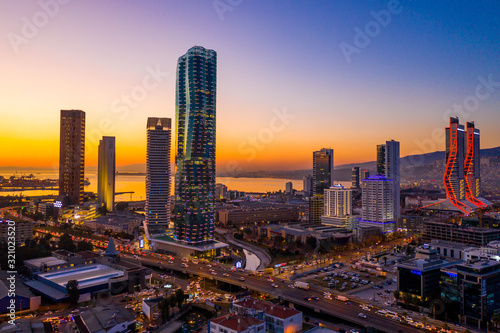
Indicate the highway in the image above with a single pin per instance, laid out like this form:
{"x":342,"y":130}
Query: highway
{"x":295,"y":296}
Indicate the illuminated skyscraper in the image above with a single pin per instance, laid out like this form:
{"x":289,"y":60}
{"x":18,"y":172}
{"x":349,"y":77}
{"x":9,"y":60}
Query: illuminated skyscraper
{"x":195,"y":154}
{"x":388,"y":165}
{"x":106,"y":166}
{"x":158,"y":175}
{"x":72,"y":155}
{"x":322,"y":170}
{"x":462,"y":179}
{"x":472,"y":170}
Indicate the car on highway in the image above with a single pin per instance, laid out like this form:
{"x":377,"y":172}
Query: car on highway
{"x":274,"y":285}
{"x":225,"y":274}
{"x":242,"y":278}
{"x":316,"y":298}
{"x":308,"y":298}
{"x":362,"y":315}
{"x":213,"y":273}
{"x":184,"y":265}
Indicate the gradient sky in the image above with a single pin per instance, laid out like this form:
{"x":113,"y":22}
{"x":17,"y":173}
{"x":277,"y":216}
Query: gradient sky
{"x":273,"y":56}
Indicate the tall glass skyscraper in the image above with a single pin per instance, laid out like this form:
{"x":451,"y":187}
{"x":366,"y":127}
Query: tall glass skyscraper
{"x":72,"y":156}
{"x":388,"y":165}
{"x":158,"y":176}
{"x":322,"y":170}
{"x":106,"y":167}
{"x":195,"y":154}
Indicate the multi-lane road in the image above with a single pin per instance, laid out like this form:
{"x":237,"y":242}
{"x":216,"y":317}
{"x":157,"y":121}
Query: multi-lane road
{"x":295,"y":296}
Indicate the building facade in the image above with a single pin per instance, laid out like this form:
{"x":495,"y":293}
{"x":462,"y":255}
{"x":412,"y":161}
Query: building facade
{"x":72,"y":156}
{"x":473,"y":287}
{"x":452,"y":232}
{"x":195,"y":151}
{"x":106,"y":169}
{"x":337,"y":201}
{"x":322,"y":170}
{"x":158,"y":176}
{"x":18,"y":231}
{"x":308,"y":185}
{"x":378,"y":203}
{"x":388,"y":165}
{"x":355,"y":178}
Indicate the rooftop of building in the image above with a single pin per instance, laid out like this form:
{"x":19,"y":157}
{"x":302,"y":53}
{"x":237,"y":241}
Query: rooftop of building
{"x":153,"y":301}
{"x":21,"y":288}
{"x":426,"y":259}
{"x":23,"y":325}
{"x":47,"y":261}
{"x":86,"y":275}
{"x":269,"y":308}
{"x":102,"y":318}
{"x":237,"y":323}
{"x":455,"y":245}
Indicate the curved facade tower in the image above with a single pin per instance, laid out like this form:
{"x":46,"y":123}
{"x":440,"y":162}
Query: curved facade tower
{"x":195,"y":154}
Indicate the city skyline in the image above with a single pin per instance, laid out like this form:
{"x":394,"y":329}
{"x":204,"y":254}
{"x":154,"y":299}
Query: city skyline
{"x":364,"y":99}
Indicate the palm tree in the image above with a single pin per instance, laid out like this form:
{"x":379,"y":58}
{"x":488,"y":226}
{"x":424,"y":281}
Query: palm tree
{"x":445,"y":326}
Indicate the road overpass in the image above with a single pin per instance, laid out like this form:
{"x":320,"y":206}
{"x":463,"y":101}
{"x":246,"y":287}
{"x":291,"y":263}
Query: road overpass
{"x":295,"y":296}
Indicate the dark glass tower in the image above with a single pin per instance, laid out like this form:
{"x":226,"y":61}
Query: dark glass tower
{"x":322,"y":170}
{"x":72,"y":155}
{"x":195,"y":154}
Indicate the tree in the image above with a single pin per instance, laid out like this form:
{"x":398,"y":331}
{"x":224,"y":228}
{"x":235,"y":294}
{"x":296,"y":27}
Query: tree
{"x":385,"y":260}
{"x":496,"y":319}
{"x":85,"y":246}
{"x":312,"y":242}
{"x":445,"y":326}
{"x":397,"y":294}
{"x":73,"y":292}
{"x":424,"y":320}
{"x":278,"y":241}
{"x":164,"y":309}
{"x":179,"y":297}
{"x":66,"y":243}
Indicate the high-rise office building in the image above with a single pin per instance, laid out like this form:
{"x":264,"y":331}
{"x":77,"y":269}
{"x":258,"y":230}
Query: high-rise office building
{"x":195,"y":153}
{"x":106,"y":167}
{"x":158,"y":175}
{"x":462,"y":173}
{"x":366,"y":174}
{"x":337,"y":201}
{"x":378,"y":203}
{"x":308,"y":185}
{"x":72,"y":156}
{"x":315,"y":208}
{"x":388,"y":165}
{"x":289,"y":188}
{"x":355,"y":178}
{"x":322,"y":170}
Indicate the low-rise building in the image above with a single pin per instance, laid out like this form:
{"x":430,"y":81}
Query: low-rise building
{"x":117,"y":221}
{"x":236,"y":324}
{"x":421,"y":276}
{"x":150,"y":306}
{"x":18,"y":231}
{"x":12,"y":288}
{"x":107,"y":318}
{"x":251,"y":216}
{"x":450,"y":250}
{"x":473,"y":286}
{"x":474,"y":236}
{"x":278,"y":319}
